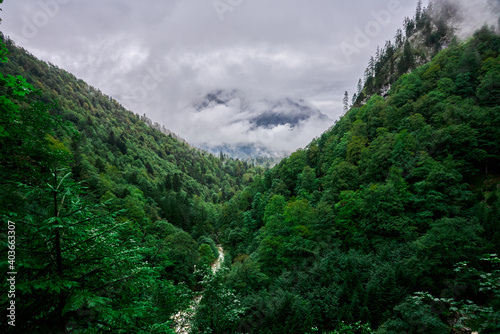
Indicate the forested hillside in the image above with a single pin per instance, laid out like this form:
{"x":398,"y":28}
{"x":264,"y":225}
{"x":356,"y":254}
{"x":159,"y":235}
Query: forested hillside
{"x":112,"y":216}
{"x":422,"y":36}
{"x":388,"y":222}
{"x":400,"y":196}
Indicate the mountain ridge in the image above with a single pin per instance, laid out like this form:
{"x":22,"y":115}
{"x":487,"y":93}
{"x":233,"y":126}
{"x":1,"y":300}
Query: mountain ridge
{"x":260,"y":117}
{"x":387,"y":222}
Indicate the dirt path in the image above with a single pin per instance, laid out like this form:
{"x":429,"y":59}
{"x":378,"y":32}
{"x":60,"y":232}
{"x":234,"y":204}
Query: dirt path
{"x":218,"y":263}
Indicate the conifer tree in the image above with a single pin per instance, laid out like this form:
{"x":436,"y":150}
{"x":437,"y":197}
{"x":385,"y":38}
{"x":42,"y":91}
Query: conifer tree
{"x":346,"y":101}
{"x":371,"y":66}
{"x":398,"y":39}
{"x":407,"y":60}
{"x":418,"y":15}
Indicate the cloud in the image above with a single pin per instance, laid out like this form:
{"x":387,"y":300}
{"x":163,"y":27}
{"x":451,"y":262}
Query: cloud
{"x":156,"y":57}
{"x":241,"y":119}
{"x":477,"y":13}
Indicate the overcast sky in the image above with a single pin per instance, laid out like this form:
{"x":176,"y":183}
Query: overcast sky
{"x":157,"y":56}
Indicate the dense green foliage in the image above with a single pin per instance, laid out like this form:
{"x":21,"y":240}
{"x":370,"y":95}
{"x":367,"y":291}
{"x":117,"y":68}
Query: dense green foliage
{"x":382,"y":205}
{"x":420,"y":39}
{"x":380,"y":225}
{"x":112,"y":216}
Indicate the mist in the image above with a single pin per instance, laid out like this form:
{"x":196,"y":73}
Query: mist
{"x":156,"y":59}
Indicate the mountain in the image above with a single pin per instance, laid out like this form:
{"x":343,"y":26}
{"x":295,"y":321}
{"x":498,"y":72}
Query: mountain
{"x":387,"y":222}
{"x":382,"y":222}
{"x":262,"y":122}
{"x":432,"y":29}
{"x":264,"y":113}
{"x":112,"y":216}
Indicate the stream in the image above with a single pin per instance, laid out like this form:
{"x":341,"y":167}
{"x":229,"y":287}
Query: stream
{"x":182,"y":319}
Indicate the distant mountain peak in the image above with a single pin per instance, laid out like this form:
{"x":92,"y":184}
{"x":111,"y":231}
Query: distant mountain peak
{"x":216,"y":97}
{"x":287,"y":111}
{"x":257,"y":114}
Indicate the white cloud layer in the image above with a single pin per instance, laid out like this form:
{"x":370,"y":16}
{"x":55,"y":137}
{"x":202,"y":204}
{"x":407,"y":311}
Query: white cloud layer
{"x":157,"y":56}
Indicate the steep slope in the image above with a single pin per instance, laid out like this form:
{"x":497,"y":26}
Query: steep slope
{"x":402,"y":190}
{"x":385,"y":204}
{"x":431,"y":29}
{"x":113,"y":140}
{"x":111,"y":216}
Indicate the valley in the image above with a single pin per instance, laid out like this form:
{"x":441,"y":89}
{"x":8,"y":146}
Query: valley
{"x":385,"y":220}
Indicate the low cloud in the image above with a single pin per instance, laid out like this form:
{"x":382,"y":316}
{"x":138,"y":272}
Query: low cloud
{"x":239,"y":119}
{"x":157,"y":57}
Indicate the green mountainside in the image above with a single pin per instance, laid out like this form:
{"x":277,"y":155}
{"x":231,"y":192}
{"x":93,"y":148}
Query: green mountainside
{"x":76,"y":166}
{"x":383,"y":205}
{"x":431,"y":29}
{"x":388,"y":222}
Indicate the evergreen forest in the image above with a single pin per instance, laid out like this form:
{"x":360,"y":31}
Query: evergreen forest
{"x":386,"y":223}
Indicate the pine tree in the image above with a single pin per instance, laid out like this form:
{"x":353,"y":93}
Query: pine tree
{"x":371,"y":66}
{"x":368,"y":81}
{"x":418,"y":15}
{"x":398,"y":39}
{"x":360,"y":87}
{"x":389,"y":49}
{"x":409,"y":26}
{"x":346,"y":102}
{"x":367,"y":75}
{"x":407,"y":61}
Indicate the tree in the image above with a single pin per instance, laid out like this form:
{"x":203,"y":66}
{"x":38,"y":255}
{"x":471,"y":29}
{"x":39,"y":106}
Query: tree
{"x":371,"y":66}
{"x":413,"y":316}
{"x":418,"y":15}
{"x":398,"y":39}
{"x":466,"y":314}
{"x":219,"y":309}
{"x":27,"y":136}
{"x":345,"y":102}
{"x":343,"y":176}
{"x":78,"y":269}
{"x":74,"y":272}
{"x":409,"y":25}
{"x":183,"y":252}
{"x":207,"y":256}
{"x":489,"y":86}
{"x":407,"y":61}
